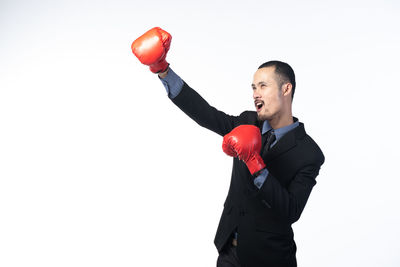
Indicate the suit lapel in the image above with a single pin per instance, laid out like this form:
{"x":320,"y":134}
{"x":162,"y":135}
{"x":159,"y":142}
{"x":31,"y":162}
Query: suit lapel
{"x":287,"y":142}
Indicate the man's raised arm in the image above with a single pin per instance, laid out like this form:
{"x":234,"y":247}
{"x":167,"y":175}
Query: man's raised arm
{"x":151,"y":49}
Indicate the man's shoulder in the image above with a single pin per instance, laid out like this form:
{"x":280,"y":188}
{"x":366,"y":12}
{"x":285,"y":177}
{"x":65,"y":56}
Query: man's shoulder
{"x":310,"y":147}
{"x":248,"y":117}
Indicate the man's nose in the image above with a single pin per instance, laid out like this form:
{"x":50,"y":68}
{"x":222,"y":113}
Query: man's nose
{"x":256,"y":93}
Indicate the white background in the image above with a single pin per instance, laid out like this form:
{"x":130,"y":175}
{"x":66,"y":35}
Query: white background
{"x":99,"y":168}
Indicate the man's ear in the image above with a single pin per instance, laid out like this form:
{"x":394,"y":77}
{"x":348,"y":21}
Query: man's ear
{"x":287,"y":89}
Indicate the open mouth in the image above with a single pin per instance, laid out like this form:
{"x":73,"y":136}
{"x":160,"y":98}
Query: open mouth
{"x":259,"y":104}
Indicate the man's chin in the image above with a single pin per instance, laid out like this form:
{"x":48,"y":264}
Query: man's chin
{"x":261,"y":117}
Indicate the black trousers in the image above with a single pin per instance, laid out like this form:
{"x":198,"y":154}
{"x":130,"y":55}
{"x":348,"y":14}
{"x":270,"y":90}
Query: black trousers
{"x":228,"y":256}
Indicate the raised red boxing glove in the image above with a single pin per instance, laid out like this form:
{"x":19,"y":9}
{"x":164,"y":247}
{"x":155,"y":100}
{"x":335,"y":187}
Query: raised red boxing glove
{"x":151,"y":49}
{"x":244,"y":142}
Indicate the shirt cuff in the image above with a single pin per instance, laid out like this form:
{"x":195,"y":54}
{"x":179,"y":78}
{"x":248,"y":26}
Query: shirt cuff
{"x":173,"y":83}
{"x":260,"y":179}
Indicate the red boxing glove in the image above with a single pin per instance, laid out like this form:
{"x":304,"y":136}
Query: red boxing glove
{"x":245,"y":142}
{"x":151,"y":49}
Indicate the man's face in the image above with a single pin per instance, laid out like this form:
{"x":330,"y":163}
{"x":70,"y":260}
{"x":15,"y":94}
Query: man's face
{"x":267,"y":95}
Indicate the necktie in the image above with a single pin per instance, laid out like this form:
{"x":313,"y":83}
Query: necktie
{"x":268,"y":139}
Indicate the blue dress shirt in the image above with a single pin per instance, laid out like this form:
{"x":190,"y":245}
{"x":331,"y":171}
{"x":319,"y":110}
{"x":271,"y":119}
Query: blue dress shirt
{"x":172,"y":83}
{"x":279,"y":133}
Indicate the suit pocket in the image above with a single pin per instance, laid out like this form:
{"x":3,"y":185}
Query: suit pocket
{"x":268,"y":224}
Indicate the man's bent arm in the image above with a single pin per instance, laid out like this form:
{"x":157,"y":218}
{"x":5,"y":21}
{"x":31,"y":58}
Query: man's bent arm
{"x":289,"y":202}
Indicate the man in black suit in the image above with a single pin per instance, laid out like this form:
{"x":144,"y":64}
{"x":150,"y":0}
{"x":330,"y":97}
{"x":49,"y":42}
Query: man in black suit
{"x":272,"y":175}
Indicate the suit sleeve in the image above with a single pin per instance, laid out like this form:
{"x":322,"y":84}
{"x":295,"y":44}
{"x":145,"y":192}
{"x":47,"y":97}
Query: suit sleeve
{"x":289,"y":202}
{"x":193,"y":105}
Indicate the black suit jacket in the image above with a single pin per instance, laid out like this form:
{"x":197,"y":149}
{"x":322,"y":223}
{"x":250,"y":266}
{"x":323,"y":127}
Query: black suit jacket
{"x":262,"y":217}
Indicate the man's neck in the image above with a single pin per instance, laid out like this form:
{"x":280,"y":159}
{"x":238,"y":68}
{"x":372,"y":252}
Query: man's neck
{"x":281,"y":121}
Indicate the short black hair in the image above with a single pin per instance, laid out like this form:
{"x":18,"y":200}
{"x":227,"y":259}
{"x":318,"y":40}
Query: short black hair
{"x":284,"y":72}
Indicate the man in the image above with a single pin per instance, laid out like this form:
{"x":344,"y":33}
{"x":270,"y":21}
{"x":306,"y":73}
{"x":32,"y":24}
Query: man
{"x":272,"y":175}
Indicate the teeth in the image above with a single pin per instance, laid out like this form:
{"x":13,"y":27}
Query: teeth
{"x":258,"y":104}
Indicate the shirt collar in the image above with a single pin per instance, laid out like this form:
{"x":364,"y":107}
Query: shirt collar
{"x":281,"y":131}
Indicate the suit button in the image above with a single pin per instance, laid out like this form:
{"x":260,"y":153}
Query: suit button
{"x":265,"y":203}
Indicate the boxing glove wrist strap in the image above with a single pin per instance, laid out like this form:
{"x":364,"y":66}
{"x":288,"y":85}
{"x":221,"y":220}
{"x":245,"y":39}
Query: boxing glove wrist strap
{"x":255,"y":164}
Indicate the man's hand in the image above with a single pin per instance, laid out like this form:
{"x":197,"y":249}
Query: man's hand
{"x":244,"y":142}
{"x":151,"y":49}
